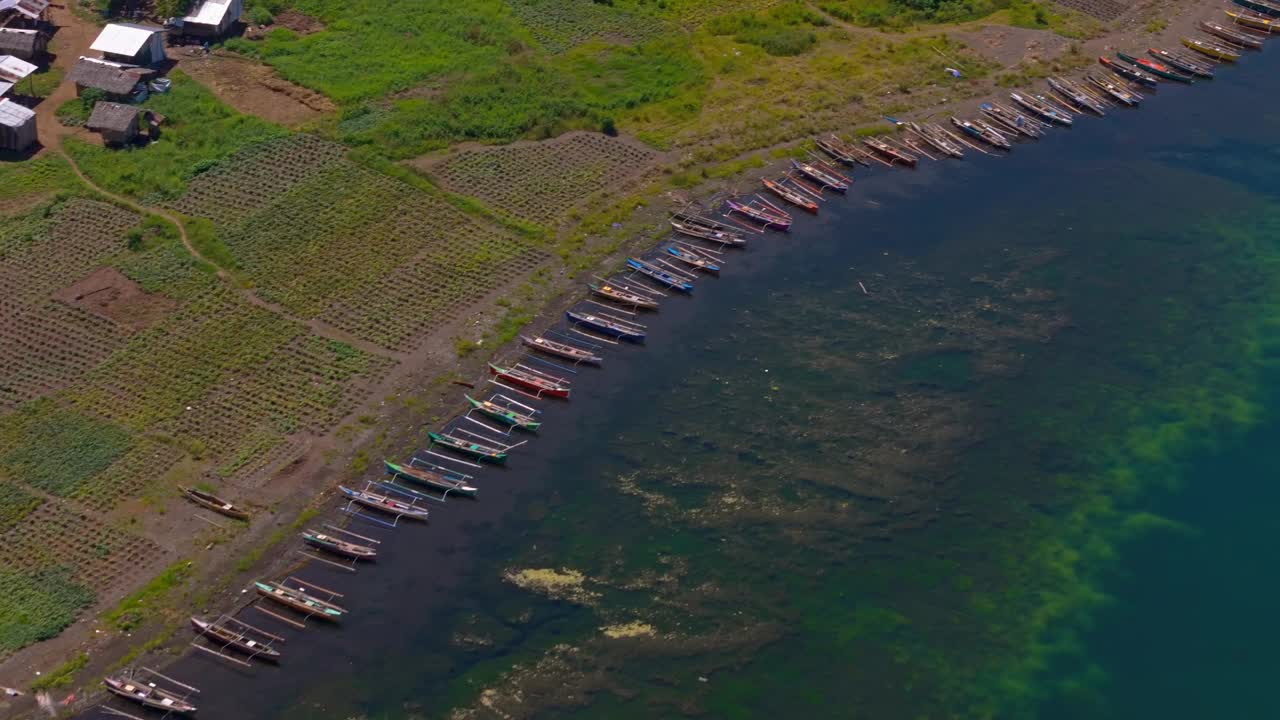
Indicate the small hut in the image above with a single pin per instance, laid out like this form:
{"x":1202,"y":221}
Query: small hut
{"x":12,"y":71}
{"x":212,"y":18}
{"x":116,"y":81}
{"x":130,"y":44}
{"x":118,"y":124}
{"x":25,"y":44}
{"x":17,"y":126}
{"x":32,"y":11}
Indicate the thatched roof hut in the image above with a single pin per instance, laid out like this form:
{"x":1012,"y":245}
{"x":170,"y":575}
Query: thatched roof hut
{"x":25,"y":44}
{"x":114,"y":80}
{"x":117,"y":123}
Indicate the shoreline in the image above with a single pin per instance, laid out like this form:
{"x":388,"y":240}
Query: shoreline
{"x":319,"y":473}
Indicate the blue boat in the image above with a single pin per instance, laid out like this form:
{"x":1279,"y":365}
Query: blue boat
{"x":692,"y":259}
{"x":661,"y":276}
{"x":605,"y":326}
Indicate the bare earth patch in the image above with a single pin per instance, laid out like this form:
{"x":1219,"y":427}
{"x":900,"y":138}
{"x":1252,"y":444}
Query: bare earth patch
{"x":1010,"y":46}
{"x":253,"y":88}
{"x":107,"y":293}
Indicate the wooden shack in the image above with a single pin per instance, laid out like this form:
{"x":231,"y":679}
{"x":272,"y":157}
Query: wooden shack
{"x":116,"y":81}
{"x":17,"y":126}
{"x":117,"y":123}
{"x":212,"y":18}
{"x":130,"y":44}
{"x":23,"y":43}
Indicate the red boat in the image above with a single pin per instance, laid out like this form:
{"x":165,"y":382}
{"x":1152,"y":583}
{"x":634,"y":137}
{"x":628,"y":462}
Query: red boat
{"x":530,"y":380}
{"x":790,"y":194}
{"x":769,"y":217}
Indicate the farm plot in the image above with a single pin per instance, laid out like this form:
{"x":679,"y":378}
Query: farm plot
{"x":543,"y":181}
{"x":14,"y":504}
{"x":558,"y":25}
{"x":37,"y":604}
{"x":55,"y":449}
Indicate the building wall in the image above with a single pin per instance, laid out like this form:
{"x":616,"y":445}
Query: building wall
{"x":19,"y":138}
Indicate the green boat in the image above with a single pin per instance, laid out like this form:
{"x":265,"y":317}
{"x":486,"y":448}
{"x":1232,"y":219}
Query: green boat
{"x":1155,"y":68}
{"x":504,"y":415}
{"x":467,"y":447}
{"x":437,"y":479}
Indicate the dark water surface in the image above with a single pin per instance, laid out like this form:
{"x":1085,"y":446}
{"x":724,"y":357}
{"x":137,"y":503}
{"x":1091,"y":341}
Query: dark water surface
{"x":1027,"y":473}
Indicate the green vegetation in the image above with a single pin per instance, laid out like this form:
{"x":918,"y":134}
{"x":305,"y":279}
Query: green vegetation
{"x":55,"y":449}
{"x":152,"y":597}
{"x":783,"y":30}
{"x":62,"y":675}
{"x":14,"y":505}
{"x":46,"y":174}
{"x":37,"y":605}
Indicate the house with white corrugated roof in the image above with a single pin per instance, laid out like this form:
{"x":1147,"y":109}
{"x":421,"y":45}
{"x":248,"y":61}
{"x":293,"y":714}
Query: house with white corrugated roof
{"x":212,"y":18}
{"x":130,"y":44}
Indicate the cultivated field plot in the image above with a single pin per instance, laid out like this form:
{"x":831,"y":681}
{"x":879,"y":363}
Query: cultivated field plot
{"x":693,"y":13}
{"x":330,"y":239}
{"x":558,"y":25}
{"x":543,"y":181}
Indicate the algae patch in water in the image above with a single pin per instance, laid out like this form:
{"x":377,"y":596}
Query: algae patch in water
{"x":629,"y":630}
{"x":562,"y":584}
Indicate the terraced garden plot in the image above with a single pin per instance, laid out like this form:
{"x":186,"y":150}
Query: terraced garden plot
{"x":37,"y":604}
{"x":558,"y":25}
{"x":542,"y":181}
{"x":15,"y":504}
{"x":55,"y":448}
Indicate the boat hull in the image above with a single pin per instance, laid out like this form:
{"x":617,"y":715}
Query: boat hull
{"x":605,"y":328}
{"x":1262,"y":8}
{"x":431,"y":480}
{"x":527,"y":383}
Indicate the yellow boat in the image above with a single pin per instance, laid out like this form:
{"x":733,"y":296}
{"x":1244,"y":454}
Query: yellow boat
{"x":1257,"y":22}
{"x":1212,"y":49}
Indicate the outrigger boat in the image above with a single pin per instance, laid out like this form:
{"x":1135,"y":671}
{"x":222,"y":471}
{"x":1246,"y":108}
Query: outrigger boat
{"x":624,"y":297}
{"x":662,"y":277}
{"x":1182,"y":62}
{"x":1156,"y":68}
{"x":822,"y":176}
{"x":714,"y":233}
{"x":233,"y":640}
{"x":432,"y":478}
{"x":939,"y":142}
{"x":564,"y":350}
{"x":214,"y":503}
{"x":1264,"y":7}
{"x":1215,"y":50}
{"x":1113,"y":88}
{"x":501,"y":413}
{"x":147,"y":694}
{"x":384,"y":504}
{"x":1129,"y":73}
{"x":338,"y":546}
{"x":1076,"y":95}
{"x":297,"y":599}
{"x":1041,"y":109}
{"x":894,"y":154}
{"x":983,"y":132}
{"x":769,"y":217}
{"x":791,"y":195}
{"x":1252,"y":21}
{"x":1226,"y":33}
{"x":840,"y":150}
{"x":606,"y":326}
{"x":692,"y":259}
{"x":539,"y":383}
{"x":1015,"y":121}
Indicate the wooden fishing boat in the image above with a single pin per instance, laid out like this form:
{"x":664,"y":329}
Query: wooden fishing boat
{"x":692,"y":259}
{"x":564,"y":350}
{"x":1115,"y":90}
{"x":297,"y":599}
{"x":986,"y":134}
{"x":434,"y":479}
{"x":938,"y":142}
{"x":1254,"y":21}
{"x":1041,"y":109}
{"x":701,"y":231}
{"x":662,"y":277}
{"x":838,"y":150}
{"x":502,"y":414}
{"x":338,"y":546}
{"x":765,"y":216}
{"x":1262,"y":7}
{"x":384,"y":504}
{"x":606,"y":326}
{"x":1076,"y":96}
{"x":232,"y":640}
{"x":147,"y":694}
{"x":790,"y":195}
{"x":1015,"y":121}
{"x":1234,"y":36}
{"x":821,"y":175}
{"x":214,"y":503}
{"x":1215,"y":50}
{"x":622,"y":297}
{"x":1155,"y":68}
{"x":1129,"y":73}
{"x":541,"y":384}
{"x":894,"y":154}
{"x":1182,"y":62}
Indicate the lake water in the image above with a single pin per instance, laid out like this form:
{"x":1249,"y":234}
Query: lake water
{"x":992,"y":438}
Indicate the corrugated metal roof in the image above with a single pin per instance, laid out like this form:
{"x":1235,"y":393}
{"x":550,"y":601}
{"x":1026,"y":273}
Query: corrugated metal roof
{"x":103,"y":75}
{"x":209,"y":12}
{"x":14,"y":115}
{"x":29,"y":8}
{"x":123,"y":38}
{"x":13,"y":69}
